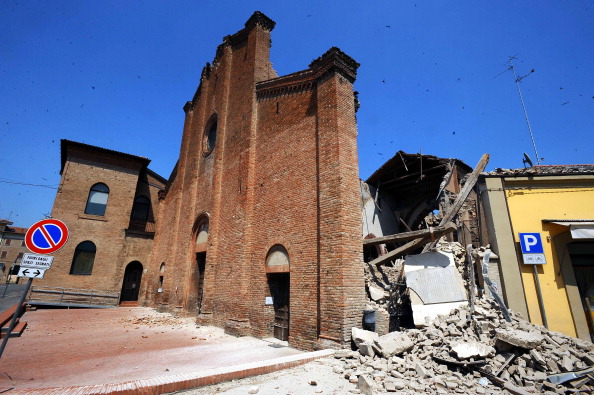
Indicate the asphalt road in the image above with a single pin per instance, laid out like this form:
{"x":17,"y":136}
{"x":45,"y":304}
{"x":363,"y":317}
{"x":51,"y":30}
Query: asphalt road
{"x":11,"y":296}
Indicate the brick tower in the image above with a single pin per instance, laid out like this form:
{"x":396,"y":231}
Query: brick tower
{"x":258,"y":229}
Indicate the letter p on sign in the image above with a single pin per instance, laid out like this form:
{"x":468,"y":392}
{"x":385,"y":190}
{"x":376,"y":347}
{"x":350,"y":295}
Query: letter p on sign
{"x":531,"y":243}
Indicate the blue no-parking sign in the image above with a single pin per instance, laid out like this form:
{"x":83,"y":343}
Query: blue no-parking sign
{"x":46,"y":236}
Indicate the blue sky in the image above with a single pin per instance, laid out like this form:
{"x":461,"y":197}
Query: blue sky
{"x":433,"y":77}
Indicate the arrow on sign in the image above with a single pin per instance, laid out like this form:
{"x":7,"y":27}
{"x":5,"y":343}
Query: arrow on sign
{"x":31,"y":273}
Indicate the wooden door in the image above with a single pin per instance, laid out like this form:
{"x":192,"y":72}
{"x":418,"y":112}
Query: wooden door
{"x":131,"y":284}
{"x":201,"y":262}
{"x":280,"y":289}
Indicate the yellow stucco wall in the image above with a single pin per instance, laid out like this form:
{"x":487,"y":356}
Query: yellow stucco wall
{"x":529,"y":202}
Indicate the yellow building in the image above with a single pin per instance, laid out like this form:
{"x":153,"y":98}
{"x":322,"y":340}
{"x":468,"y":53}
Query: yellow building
{"x":556,"y":205}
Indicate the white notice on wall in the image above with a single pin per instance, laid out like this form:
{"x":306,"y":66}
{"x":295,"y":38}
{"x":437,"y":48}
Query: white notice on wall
{"x":268,"y":300}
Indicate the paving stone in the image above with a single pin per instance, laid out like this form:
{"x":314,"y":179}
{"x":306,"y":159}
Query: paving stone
{"x":342,"y":354}
{"x":566,"y":363}
{"x":366,"y":349}
{"x":389,"y":386}
{"x":537,"y":357}
{"x":362,"y":336}
{"x":365,"y":385}
{"x":421,"y":371}
{"x":394,"y":343}
{"x":468,"y":350}
{"x":451,"y":384}
{"x":520,"y":338}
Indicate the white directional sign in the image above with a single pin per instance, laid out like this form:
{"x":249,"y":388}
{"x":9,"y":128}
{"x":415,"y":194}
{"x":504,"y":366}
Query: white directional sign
{"x":31,"y":273}
{"x":37,"y":261}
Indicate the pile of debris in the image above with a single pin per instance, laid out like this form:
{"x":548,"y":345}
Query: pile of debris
{"x":156,"y":319}
{"x":474,"y":353}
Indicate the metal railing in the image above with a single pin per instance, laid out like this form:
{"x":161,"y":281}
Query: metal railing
{"x":55,"y":296}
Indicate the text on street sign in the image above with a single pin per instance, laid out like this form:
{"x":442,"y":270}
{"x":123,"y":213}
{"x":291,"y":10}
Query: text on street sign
{"x":37,"y":261}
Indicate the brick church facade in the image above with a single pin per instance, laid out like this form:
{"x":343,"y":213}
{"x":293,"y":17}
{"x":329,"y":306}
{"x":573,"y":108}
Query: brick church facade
{"x":264,"y":201}
{"x":258,"y":229}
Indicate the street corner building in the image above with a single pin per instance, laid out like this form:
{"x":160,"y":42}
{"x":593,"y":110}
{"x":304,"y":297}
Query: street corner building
{"x":554,"y":205}
{"x":108,"y":200}
{"x":258,"y":228}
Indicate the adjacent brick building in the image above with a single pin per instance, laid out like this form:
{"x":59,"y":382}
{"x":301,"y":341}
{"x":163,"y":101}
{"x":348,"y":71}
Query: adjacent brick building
{"x":107,"y":199}
{"x":12,"y":248}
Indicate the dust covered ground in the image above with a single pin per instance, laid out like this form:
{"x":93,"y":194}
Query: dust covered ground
{"x":78,"y":347}
{"x":317,"y":377}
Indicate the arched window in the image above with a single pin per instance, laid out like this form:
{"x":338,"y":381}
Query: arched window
{"x":140,"y":209}
{"x":277,"y":259}
{"x":210,"y":135}
{"x":97,"y":201}
{"x":202,"y":234}
{"x":84,"y":256}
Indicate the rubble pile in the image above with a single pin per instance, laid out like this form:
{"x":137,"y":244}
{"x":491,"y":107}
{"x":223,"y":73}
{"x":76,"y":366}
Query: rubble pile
{"x":380,"y":279}
{"x":478,"y":353}
{"x":386,"y":284}
{"x":159,"y":319}
{"x":459,"y":254}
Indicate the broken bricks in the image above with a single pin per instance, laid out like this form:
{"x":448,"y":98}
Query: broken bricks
{"x":532,"y":357}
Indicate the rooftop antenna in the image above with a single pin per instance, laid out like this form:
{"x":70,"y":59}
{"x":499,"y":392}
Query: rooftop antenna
{"x":518,"y":80}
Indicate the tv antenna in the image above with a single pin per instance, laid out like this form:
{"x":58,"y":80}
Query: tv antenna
{"x":518,"y":80}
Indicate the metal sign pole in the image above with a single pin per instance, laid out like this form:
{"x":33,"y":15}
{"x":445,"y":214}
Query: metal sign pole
{"x":540,"y":302}
{"x":15,"y":316}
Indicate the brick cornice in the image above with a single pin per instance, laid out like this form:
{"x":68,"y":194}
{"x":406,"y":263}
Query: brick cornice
{"x":334,"y":60}
{"x":259,"y":19}
{"x":234,"y":40}
{"x":296,"y":82}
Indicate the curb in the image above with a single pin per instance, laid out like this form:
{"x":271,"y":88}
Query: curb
{"x":180,"y":382}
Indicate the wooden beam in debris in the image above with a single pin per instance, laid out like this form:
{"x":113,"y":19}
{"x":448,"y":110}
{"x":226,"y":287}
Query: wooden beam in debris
{"x":437,"y":231}
{"x":468,"y":185}
{"x":463,"y":195}
{"x":411,"y":245}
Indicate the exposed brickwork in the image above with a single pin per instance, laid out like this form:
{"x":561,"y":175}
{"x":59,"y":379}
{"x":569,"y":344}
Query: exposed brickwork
{"x":283,"y":171}
{"x":127,"y":178}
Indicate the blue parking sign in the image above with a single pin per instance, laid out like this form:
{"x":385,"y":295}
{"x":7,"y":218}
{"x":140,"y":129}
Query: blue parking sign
{"x":531,"y":243}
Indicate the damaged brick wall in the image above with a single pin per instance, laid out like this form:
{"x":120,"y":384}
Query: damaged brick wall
{"x":283,"y":171}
